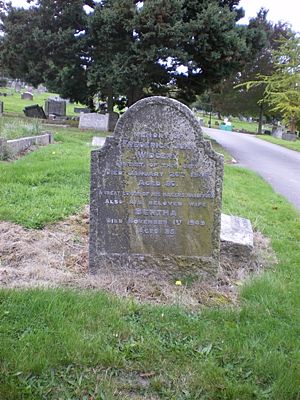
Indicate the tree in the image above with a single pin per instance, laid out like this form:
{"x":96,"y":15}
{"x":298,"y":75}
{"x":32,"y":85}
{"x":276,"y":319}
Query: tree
{"x":126,"y":47}
{"x":282,"y":87}
{"x":227,"y":99}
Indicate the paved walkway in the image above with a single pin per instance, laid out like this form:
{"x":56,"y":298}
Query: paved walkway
{"x":277,"y":165}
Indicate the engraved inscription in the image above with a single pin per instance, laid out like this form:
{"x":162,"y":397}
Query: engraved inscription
{"x":156,"y":189}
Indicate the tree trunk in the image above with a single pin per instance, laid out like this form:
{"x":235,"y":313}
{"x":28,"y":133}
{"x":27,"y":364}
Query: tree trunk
{"x":260,"y":122}
{"x":293,"y":125}
{"x":133,"y":95}
{"x":90,"y":104}
{"x":110,"y":100}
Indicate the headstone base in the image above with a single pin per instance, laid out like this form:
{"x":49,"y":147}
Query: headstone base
{"x":163,"y":267}
{"x":237,"y":246}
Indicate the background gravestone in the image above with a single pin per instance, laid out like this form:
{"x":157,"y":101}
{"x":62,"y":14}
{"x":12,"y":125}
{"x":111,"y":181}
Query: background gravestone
{"x":34,"y":111}
{"x":1,"y":108}
{"x":98,"y":122}
{"x":79,"y":110}
{"x":156,"y":194}
{"x":27,"y":96}
{"x":56,"y":107}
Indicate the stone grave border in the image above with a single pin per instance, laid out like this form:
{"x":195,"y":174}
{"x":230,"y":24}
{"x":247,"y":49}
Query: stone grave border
{"x":15,"y":146}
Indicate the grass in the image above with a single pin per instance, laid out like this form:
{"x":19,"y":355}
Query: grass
{"x":13,"y":104}
{"x":237,"y":125}
{"x":14,"y":128}
{"x":48,"y":184}
{"x":219,"y":149}
{"x":71,"y":344}
{"x":284,"y":143}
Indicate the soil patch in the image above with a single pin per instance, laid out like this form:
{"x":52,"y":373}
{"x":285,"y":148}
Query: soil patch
{"x":57,"y":256}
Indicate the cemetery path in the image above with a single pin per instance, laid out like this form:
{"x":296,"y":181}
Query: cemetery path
{"x":277,"y":165}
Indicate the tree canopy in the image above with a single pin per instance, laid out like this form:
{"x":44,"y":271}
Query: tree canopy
{"x":282,"y":86}
{"x":126,"y":47}
{"x":227,"y":99}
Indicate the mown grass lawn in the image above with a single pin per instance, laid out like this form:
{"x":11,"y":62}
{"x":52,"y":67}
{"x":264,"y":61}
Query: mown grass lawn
{"x":13,"y":104}
{"x":237,"y":125}
{"x":49,"y":184}
{"x":71,"y":344}
{"x":284,"y":143}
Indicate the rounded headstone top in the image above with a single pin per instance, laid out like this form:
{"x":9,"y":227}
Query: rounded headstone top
{"x":159,"y":114}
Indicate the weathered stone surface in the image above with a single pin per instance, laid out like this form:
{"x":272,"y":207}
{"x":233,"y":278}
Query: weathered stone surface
{"x":112,"y":121}
{"x":291,"y":137}
{"x":16,"y":146}
{"x":277,"y":132}
{"x":79,"y":110}
{"x":156,"y":194}
{"x":98,"y":122}
{"x":27,"y":96}
{"x":56,"y":107}
{"x":236,"y":239}
{"x":98,"y":141}
{"x":34,"y":111}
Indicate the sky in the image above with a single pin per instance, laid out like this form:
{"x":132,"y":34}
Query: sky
{"x":288,"y":11}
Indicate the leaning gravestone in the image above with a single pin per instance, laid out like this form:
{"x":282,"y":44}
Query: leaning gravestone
{"x":156,"y":194}
{"x":34,"y":111}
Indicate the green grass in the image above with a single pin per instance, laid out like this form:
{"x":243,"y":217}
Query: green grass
{"x":71,"y":344}
{"x":13,"y":104}
{"x":237,"y":125}
{"x":14,"y":128}
{"x":284,"y":143}
{"x":48,"y":184}
{"x":219,"y":149}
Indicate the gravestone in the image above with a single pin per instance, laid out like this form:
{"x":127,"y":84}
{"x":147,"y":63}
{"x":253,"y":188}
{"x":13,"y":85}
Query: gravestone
{"x":79,"y":110}
{"x":1,"y":108}
{"x":55,"y":107}
{"x":291,"y":137}
{"x":277,"y":132}
{"x":156,"y":194}
{"x":98,"y":122}
{"x":34,"y":111}
{"x":26,"y":96}
{"x":98,"y":141}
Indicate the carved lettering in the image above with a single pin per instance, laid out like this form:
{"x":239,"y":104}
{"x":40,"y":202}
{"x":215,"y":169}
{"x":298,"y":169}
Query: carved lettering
{"x":197,"y":204}
{"x":145,"y":173}
{"x":155,"y":213}
{"x":149,"y":183}
{"x":114,"y":221}
{"x":199,"y":174}
{"x":196,"y":222}
{"x":147,"y":154}
{"x":165,"y":203}
{"x":113,"y":202}
{"x":136,"y":221}
{"x":177,"y":174}
{"x":113,"y":172}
